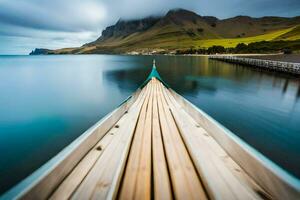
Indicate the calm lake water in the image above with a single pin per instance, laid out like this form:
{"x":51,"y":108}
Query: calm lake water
{"x":48,"y":101}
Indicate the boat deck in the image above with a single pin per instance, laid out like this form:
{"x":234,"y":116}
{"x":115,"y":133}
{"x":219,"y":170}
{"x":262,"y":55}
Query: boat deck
{"x":157,"y":145}
{"x":157,"y":150}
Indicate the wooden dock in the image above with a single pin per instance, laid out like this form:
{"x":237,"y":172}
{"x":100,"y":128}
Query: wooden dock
{"x":157,"y":145}
{"x":286,"y":67}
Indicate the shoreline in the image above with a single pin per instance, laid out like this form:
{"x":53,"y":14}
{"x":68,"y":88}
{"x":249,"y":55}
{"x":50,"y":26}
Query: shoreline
{"x":294,"y":58}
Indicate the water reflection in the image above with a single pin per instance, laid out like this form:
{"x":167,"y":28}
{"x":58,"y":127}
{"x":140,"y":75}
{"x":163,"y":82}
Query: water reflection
{"x":189,"y":74}
{"x":298,"y":91}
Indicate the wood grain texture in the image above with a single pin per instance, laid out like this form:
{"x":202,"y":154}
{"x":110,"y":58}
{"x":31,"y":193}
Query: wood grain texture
{"x":43,"y":182}
{"x":185,"y":180}
{"x":162,"y":148}
{"x":137,"y":178}
{"x":269,"y":177}
{"x":103,"y":180}
{"x":161,"y":182}
{"x":218,"y":179}
{"x":73,"y":180}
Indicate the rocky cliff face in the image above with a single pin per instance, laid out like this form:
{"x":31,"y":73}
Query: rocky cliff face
{"x":124,"y":28}
{"x":39,"y":51}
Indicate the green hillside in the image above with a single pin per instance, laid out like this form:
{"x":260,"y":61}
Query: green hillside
{"x":232,"y":42}
{"x":182,"y":29}
{"x":172,"y":40}
{"x":293,"y":34}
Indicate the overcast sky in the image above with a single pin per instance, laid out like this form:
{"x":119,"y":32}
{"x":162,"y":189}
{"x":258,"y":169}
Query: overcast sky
{"x":27,"y":24}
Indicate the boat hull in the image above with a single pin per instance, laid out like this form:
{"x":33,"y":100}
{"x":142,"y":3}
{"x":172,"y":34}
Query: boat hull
{"x":157,"y":144}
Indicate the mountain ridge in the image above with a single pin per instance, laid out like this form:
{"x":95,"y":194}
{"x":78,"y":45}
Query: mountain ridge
{"x":182,"y":29}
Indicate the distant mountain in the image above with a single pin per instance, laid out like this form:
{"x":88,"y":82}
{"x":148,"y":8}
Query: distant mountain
{"x":182,"y":29}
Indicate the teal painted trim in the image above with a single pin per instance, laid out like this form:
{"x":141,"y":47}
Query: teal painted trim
{"x":154,"y":74}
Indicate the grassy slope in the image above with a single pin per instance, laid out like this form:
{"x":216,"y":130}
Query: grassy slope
{"x":172,"y":38}
{"x":234,"y":41}
{"x":291,"y":35}
{"x":172,"y":41}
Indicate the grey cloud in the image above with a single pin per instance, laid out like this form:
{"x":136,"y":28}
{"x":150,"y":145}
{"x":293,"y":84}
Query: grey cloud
{"x":259,"y":8}
{"x":129,"y":9}
{"x":219,"y":8}
{"x":56,"y":15}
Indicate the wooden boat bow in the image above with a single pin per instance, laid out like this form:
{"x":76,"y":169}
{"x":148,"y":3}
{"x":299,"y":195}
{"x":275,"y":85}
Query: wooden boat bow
{"x":157,"y":145}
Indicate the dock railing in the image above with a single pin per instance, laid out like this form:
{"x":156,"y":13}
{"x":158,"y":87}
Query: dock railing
{"x":287,"y":67}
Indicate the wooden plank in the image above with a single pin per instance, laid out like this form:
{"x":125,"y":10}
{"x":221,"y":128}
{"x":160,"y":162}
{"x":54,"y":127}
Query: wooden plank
{"x":143,"y":182}
{"x":103,"y":180}
{"x":266,"y":174}
{"x":185,"y":181}
{"x":161,"y":182}
{"x":234,"y":168}
{"x":68,"y":186}
{"x":137,"y":179}
{"x":47,"y":178}
{"x":219,"y":181}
